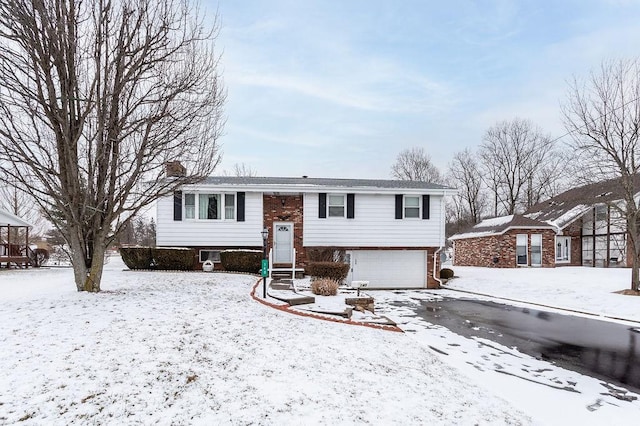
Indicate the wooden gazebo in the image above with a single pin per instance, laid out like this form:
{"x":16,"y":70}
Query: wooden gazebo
{"x":14,"y":241}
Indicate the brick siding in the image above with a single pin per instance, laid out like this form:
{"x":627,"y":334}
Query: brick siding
{"x":499,"y":251}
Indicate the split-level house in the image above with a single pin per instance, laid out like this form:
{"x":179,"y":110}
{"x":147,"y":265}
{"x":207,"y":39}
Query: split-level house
{"x":391,"y":230}
{"x":582,"y":226}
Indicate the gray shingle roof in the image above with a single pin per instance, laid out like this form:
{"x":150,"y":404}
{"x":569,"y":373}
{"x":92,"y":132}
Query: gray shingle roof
{"x":499,"y":225}
{"x":328,"y":182}
{"x":565,"y":208}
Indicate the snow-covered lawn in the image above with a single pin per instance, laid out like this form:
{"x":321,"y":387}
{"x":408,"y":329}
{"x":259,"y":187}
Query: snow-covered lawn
{"x":194,"y":348}
{"x":580,"y":288}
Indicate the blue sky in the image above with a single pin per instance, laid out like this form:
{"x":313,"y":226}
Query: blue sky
{"x":338,"y":88}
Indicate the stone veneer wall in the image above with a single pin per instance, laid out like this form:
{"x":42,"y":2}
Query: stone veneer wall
{"x":285,"y":208}
{"x":499,"y":251}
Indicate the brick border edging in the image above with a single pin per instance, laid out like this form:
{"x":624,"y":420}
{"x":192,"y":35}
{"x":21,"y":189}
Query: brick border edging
{"x":286,"y":308}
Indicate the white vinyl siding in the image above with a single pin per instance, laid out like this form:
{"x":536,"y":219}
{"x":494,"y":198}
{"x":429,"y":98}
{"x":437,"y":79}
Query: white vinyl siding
{"x":374,"y":225}
{"x":213,"y":233}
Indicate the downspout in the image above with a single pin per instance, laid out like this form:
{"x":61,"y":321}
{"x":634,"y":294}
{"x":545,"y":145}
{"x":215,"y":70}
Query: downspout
{"x":435,"y":254}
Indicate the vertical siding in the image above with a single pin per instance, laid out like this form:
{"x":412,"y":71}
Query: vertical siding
{"x":374,"y":224}
{"x":210,"y":232}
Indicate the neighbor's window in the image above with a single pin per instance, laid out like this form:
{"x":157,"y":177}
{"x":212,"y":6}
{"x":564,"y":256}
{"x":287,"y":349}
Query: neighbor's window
{"x":411,"y":206}
{"x":229,"y":206}
{"x":212,"y":255}
{"x":189,"y":206}
{"x":536,"y":250}
{"x":563,"y":244}
{"x":336,"y":205}
{"x":521,"y":249}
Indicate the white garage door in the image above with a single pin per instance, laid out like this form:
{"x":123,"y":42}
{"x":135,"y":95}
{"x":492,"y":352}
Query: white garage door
{"x":389,"y":268}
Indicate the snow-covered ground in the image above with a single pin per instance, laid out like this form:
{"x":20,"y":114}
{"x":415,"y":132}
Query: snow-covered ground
{"x":551,"y":395}
{"x":584,"y":289}
{"x":194,"y":348}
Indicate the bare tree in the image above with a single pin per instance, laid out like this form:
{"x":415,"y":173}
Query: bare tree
{"x":465,"y":174}
{"x":241,"y":170}
{"x":521,"y":165}
{"x":415,"y":164}
{"x":21,"y":204}
{"x":602,"y":114}
{"x":95,"y":97}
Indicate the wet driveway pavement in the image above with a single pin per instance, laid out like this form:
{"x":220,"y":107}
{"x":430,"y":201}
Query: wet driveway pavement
{"x":604,"y":350}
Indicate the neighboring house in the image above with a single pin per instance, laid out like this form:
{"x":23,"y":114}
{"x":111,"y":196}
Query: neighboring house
{"x":14,"y":240}
{"x":578,"y":227}
{"x":391,"y":230}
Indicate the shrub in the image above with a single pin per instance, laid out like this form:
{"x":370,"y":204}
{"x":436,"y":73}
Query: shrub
{"x":241,"y":260}
{"x":446,"y":273}
{"x":324,"y":286}
{"x":326,"y":254}
{"x":333,"y":270}
{"x":137,"y":257}
{"x":38,"y":257}
{"x":179,"y":259}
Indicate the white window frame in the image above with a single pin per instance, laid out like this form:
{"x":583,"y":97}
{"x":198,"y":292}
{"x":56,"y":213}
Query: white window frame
{"x":565,"y":249}
{"x":216,"y":258}
{"x":343,"y":205}
{"x":536,"y":237}
{"x":223,"y":213}
{"x":526,"y":249}
{"x":405,"y":207}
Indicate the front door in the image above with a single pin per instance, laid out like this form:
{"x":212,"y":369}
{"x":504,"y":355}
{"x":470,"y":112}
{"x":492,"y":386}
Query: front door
{"x":283,"y":242}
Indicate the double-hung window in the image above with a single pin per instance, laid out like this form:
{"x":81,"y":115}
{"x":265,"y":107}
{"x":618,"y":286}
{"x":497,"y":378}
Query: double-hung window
{"x":229,"y":206}
{"x":335,"y":205}
{"x":189,"y":206}
{"x":411,"y":206}
{"x":521,"y":250}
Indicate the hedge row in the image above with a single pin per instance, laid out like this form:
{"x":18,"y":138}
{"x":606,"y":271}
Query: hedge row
{"x":158,"y":258}
{"x":241,"y":260}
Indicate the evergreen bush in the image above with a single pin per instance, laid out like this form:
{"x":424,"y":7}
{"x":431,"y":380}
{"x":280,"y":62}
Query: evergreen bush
{"x":174,"y":259}
{"x":137,"y":257}
{"x":241,"y":260}
{"x":446,"y":273}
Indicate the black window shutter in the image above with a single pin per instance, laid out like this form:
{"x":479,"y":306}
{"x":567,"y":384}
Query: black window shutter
{"x":322,"y":205}
{"x":240,"y":198}
{"x":426,"y":206}
{"x":351,"y":206}
{"x":177,"y":205}
{"x":399,"y":206}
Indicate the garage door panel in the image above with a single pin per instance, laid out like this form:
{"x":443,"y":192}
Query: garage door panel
{"x":389,"y":268}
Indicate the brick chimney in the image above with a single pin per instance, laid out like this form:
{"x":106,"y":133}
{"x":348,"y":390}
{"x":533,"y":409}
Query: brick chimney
{"x":175,"y":169}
